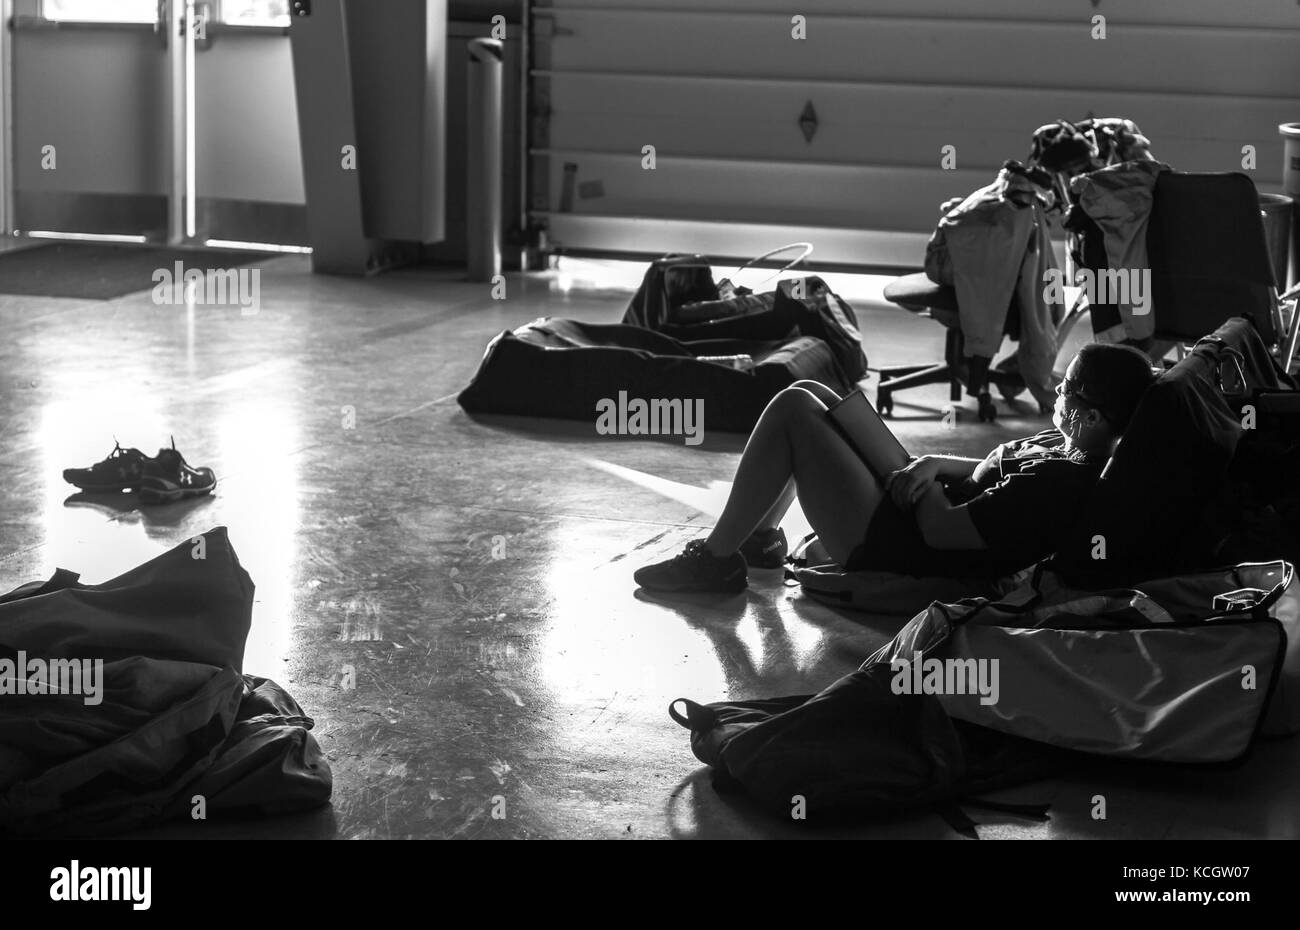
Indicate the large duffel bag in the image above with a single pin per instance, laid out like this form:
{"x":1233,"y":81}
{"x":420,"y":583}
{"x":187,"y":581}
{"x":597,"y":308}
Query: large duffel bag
{"x":984,"y":693}
{"x":1184,"y":669}
{"x":564,"y":368}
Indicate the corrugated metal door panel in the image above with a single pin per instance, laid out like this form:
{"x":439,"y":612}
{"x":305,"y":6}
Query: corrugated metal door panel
{"x":884,"y":125}
{"x":1263,"y":13}
{"x":719,"y":92}
{"x":879,"y":197}
{"x":926,"y":51}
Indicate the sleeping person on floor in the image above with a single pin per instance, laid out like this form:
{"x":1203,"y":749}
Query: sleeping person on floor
{"x":940,"y":515}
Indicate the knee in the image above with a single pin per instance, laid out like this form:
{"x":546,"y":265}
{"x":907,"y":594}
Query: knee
{"x":794,"y":403}
{"x":818,"y":390}
{"x":807,"y":384}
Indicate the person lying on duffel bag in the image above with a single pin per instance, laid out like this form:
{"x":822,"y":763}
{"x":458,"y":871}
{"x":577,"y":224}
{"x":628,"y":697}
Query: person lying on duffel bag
{"x":939,"y":515}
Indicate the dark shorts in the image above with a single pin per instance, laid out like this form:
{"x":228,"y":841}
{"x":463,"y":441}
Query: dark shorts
{"x":893,"y":543}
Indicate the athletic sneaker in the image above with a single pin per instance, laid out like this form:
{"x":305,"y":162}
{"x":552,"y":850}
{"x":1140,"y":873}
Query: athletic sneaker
{"x":765,"y":548}
{"x":121,"y":471}
{"x":696,"y":569}
{"x":168,"y":478}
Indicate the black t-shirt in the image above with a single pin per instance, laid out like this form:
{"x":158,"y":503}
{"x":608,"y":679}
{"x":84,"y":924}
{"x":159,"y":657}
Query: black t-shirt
{"x":1021,"y":498}
{"x":1026,"y":493}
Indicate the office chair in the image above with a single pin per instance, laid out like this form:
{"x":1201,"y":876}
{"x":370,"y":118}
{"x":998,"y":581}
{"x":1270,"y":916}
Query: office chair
{"x":1209,"y":262}
{"x":918,"y":294}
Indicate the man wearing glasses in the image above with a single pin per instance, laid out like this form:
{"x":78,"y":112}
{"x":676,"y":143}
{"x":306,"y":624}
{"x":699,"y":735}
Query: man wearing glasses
{"x":1012,"y":504}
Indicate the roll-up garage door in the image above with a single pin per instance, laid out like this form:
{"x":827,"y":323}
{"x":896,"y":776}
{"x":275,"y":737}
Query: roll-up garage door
{"x":842,"y":137}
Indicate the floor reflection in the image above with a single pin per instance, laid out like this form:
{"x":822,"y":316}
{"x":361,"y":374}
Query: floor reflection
{"x":257,"y":442}
{"x":101,"y":536}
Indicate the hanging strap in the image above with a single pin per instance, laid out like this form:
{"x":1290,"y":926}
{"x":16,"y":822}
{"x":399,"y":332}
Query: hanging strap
{"x":697,"y":717}
{"x":1229,"y":353}
{"x":806,"y":250}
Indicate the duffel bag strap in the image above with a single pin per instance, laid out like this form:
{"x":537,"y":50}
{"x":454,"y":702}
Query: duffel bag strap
{"x":698,"y":718}
{"x":728,"y":289}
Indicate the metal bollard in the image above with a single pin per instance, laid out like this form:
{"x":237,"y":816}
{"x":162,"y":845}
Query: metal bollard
{"x":483,"y":214}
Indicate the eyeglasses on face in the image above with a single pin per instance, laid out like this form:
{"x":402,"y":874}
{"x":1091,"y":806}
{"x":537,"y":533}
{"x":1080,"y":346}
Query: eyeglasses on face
{"x":1069,"y":389}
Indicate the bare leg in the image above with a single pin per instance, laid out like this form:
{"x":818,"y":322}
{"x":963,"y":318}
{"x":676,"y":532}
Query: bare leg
{"x":794,"y":440}
{"x":772,"y":519}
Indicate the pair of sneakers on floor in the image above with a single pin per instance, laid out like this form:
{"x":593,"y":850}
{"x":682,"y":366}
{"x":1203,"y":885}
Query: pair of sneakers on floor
{"x":699,"y":570}
{"x":163,"y":479}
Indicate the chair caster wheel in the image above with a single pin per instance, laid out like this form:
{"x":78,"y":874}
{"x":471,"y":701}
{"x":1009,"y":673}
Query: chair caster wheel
{"x":988,"y":412}
{"x":1010,"y":393}
{"x":885,"y":408}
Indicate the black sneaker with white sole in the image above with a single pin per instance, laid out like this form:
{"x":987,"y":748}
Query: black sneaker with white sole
{"x":696,"y":570}
{"x":765,"y":548}
{"x":120,"y":471}
{"x":169,"y":478}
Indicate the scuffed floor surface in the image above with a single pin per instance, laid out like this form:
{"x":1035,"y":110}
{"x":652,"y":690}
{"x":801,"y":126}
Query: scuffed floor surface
{"x":473,"y":577}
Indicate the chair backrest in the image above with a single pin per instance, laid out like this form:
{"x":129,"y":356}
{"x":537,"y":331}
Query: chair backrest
{"x":1208,"y":254}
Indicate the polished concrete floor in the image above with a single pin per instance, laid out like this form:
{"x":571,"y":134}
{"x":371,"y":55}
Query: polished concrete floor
{"x":476,"y":573}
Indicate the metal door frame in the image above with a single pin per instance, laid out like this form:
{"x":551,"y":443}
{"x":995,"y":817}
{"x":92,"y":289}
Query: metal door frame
{"x":6,"y":120}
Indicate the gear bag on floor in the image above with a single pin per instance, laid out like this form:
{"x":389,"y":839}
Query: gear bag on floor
{"x":174,"y":717}
{"x":565,"y":369}
{"x":1187,"y":669}
{"x":857,"y":749}
{"x":983,"y":693}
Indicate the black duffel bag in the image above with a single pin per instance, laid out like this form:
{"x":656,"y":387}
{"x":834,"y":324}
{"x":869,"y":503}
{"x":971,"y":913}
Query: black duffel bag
{"x":564,"y":368}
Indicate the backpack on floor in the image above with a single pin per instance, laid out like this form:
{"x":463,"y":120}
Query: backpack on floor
{"x":857,"y":749}
{"x":680,"y":288}
{"x":669,"y":283}
{"x":798,"y":307}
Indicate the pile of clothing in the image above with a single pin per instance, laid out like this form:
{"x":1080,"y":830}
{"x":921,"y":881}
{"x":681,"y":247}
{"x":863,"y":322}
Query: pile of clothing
{"x":1063,"y":151}
{"x":994,"y":246}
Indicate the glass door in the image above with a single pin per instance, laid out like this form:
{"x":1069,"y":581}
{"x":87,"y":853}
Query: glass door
{"x":170,"y":122}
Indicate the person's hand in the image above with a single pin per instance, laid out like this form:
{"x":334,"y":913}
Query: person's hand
{"x":906,"y":485}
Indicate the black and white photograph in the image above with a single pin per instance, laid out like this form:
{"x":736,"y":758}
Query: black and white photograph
{"x":847,"y":420}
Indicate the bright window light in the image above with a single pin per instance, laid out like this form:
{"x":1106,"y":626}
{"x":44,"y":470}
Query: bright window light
{"x":102,"y":11}
{"x":255,"y":12}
